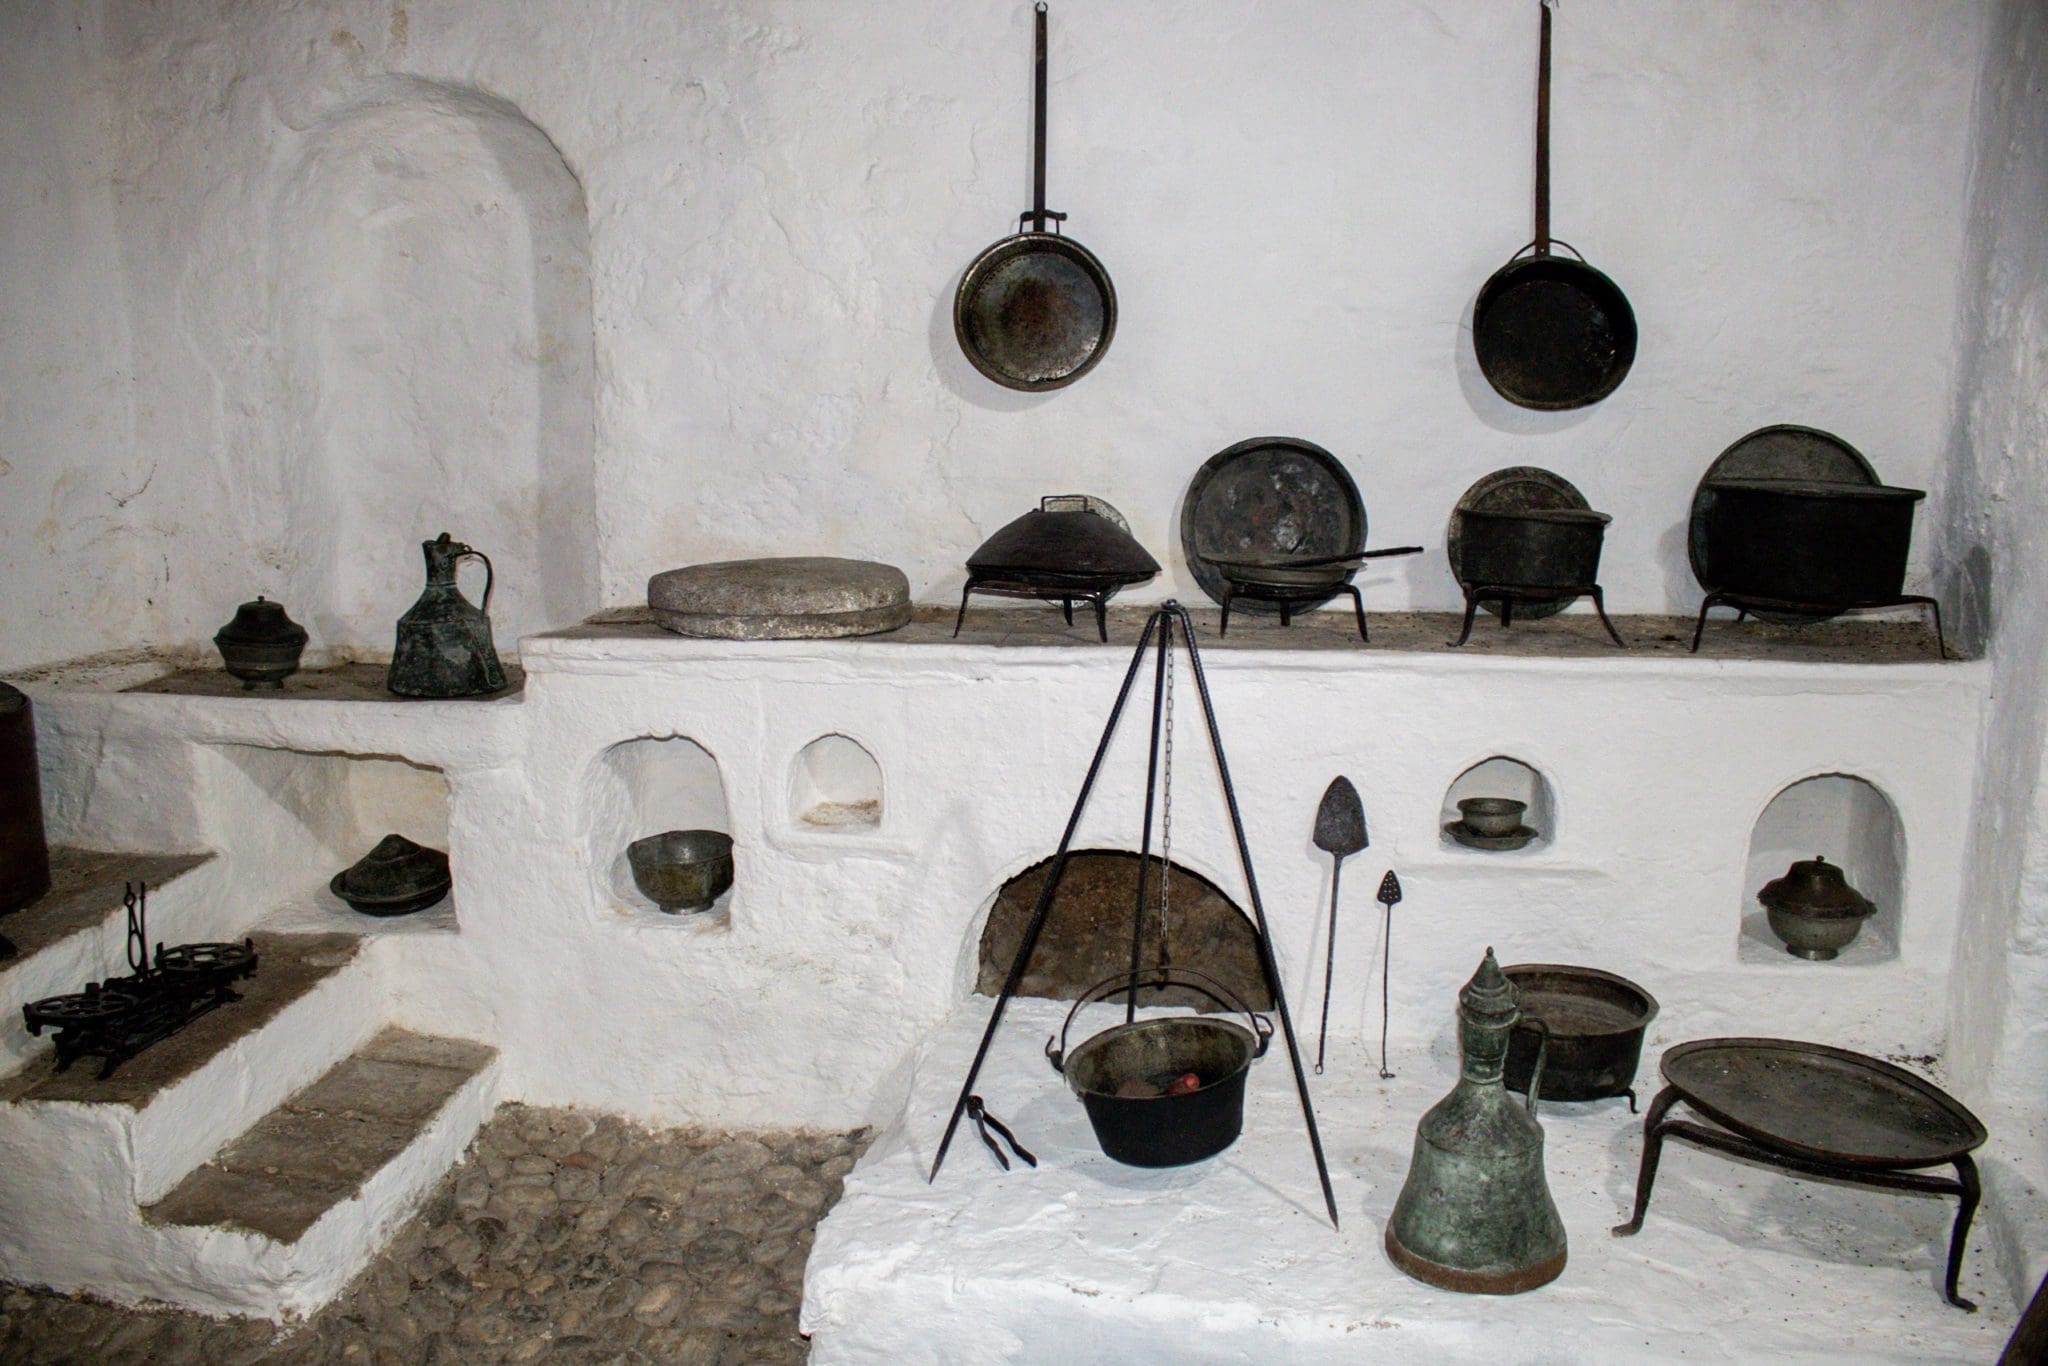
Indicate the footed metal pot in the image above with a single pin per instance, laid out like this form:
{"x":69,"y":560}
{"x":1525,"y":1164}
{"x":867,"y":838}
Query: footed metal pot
{"x":1127,"y":1076}
{"x":262,"y":645}
{"x":1814,"y":910}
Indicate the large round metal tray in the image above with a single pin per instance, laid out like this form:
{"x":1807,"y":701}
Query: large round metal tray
{"x":1519,"y":488}
{"x":1270,"y":498}
{"x":1820,"y":1102}
{"x":1035,"y":311}
{"x":1782,"y":451}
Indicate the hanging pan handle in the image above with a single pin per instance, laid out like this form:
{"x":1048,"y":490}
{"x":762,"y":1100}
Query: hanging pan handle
{"x":1165,"y":975}
{"x":1542,"y":242}
{"x":1037,"y":214}
{"x":1529,"y":249}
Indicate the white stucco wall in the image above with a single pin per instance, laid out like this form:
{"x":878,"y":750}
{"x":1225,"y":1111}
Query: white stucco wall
{"x":1297,"y":201}
{"x":1990,"y":552}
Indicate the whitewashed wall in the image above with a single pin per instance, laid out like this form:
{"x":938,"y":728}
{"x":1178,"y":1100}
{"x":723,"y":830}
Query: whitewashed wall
{"x":1298,"y":202}
{"x":1992,"y":534}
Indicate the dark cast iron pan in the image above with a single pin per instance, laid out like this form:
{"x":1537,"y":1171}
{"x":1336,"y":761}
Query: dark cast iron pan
{"x":1551,"y":332}
{"x":1035,"y":310}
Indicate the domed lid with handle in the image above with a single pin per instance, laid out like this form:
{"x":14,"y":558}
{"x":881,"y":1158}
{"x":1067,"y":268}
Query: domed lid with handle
{"x":1815,"y":887}
{"x":262,"y":622}
{"x":1051,"y":540}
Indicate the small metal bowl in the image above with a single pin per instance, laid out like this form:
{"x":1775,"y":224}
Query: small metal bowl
{"x":682,"y":870}
{"x":1492,"y":816}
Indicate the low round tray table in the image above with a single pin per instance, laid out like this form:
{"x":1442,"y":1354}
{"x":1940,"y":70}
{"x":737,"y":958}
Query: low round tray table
{"x":1820,"y":1111}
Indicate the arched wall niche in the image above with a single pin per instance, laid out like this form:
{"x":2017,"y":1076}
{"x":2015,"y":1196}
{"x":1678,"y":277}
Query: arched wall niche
{"x":1502,"y":775}
{"x":836,"y":784}
{"x":434,"y":372}
{"x":1852,"y":823}
{"x":642,"y":787}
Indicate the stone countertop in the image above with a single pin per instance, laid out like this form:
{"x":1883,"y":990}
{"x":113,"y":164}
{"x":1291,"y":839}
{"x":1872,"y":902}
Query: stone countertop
{"x":1234,"y":1259}
{"x":1569,"y":635}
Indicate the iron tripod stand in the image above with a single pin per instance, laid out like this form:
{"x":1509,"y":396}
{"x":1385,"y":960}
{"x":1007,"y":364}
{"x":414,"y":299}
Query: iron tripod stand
{"x":1160,"y":622}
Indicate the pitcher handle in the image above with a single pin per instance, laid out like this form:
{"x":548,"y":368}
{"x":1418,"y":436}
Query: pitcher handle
{"x":489,"y":577}
{"x":1542,"y":1048}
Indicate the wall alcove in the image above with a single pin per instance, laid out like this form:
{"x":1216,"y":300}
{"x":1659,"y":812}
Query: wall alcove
{"x":1503,"y":776}
{"x":302,"y":817}
{"x":432,"y":325}
{"x":1850,"y":822}
{"x":643,"y":787}
{"x":836,"y":784}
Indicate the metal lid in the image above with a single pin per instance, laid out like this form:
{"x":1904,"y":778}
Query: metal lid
{"x":1815,"y":887}
{"x":262,"y":622}
{"x":396,"y":870}
{"x":1080,"y":541}
{"x":1821,"y":488}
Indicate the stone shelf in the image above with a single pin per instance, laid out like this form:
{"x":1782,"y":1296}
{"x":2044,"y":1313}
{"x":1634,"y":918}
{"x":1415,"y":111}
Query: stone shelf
{"x":1571,"y":635}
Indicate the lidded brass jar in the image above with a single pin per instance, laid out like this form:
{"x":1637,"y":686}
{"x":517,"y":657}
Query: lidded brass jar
{"x":1814,"y":909}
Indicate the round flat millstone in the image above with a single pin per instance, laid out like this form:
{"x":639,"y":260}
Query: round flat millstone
{"x":806,"y":597}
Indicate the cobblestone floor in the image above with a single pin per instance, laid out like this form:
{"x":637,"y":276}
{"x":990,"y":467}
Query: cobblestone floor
{"x":562,"y":1236}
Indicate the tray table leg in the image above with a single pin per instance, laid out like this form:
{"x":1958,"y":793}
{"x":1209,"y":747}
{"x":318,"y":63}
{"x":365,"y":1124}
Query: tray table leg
{"x":1653,"y":1145}
{"x":1966,"y":1177}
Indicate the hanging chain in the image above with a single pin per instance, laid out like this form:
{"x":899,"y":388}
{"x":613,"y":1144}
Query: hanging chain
{"x":1166,"y":816}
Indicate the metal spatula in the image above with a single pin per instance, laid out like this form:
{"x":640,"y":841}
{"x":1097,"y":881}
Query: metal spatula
{"x":1340,"y":830}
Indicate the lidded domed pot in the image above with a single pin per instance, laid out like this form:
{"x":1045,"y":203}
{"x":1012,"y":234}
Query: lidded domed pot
{"x":262,"y":645}
{"x":1814,"y":909}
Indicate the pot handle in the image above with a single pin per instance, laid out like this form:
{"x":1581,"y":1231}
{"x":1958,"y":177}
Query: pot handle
{"x":1164,"y":975}
{"x":1542,"y":1048}
{"x":1542,"y":248}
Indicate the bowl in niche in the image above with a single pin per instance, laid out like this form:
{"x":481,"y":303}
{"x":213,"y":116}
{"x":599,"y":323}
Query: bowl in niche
{"x":682,"y":870}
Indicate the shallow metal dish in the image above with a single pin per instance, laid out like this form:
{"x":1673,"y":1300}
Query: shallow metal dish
{"x":1271,"y":500}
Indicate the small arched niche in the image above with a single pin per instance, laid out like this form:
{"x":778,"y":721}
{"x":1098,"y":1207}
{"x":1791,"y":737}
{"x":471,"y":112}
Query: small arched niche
{"x":836,"y":785}
{"x":1503,"y":776}
{"x":1850,"y":822}
{"x":647,"y":786}
{"x":1087,"y":933}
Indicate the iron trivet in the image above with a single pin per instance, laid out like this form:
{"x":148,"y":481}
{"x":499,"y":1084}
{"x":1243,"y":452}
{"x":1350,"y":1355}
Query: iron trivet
{"x":1819,"y":1111}
{"x":1746,"y":603}
{"x":118,"y":1018}
{"x":1508,"y":595}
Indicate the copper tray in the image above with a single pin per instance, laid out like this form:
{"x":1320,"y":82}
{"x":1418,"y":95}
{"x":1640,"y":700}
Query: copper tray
{"x":1824,"y":1103}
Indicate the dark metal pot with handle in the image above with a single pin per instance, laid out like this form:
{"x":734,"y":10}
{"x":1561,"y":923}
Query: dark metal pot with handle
{"x":1035,"y":310}
{"x":1818,"y":541}
{"x":1551,"y":332}
{"x":1133,"y":1079}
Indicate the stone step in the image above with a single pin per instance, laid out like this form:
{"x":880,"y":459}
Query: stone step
{"x":85,"y":891}
{"x":325,"y":1144}
{"x":288,"y":966}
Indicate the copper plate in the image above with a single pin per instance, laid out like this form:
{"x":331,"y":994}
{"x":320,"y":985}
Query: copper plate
{"x":1267,"y":500}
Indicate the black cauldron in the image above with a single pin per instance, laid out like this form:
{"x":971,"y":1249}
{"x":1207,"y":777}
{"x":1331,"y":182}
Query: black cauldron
{"x":1840,"y":544}
{"x":24,"y":853}
{"x":1162,"y":1127}
{"x":1596,"y":1022}
{"x":1531,"y":547}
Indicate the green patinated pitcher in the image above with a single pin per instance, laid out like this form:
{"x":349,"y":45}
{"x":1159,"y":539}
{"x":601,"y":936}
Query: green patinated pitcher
{"x":1475,"y":1213}
{"x":444,"y":644}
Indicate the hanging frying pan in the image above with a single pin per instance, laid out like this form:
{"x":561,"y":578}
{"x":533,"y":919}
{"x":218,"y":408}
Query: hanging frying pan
{"x":1035,"y":310}
{"x":1551,"y":332}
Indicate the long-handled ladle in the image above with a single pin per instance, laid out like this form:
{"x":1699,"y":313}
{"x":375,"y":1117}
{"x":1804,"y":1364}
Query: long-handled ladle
{"x":1340,"y":830}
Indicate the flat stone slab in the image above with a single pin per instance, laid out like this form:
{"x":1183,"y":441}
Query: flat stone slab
{"x":318,"y":1148}
{"x":287,"y":967}
{"x":796,"y":598}
{"x":85,"y":888}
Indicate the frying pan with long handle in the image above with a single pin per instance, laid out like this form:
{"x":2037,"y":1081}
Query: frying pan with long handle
{"x":1551,"y":332}
{"x":1035,"y":310}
